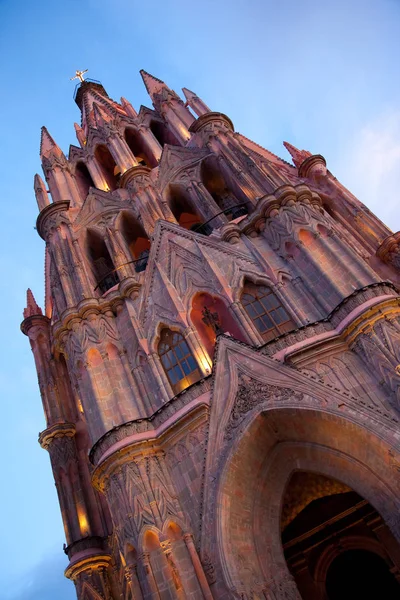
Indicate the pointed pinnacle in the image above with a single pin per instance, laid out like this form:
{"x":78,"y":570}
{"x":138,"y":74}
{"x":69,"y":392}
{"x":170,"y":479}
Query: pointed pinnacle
{"x":32,"y":308}
{"x":80,"y":134}
{"x":298,"y":156}
{"x":153,"y":84}
{"x":127,"y":106}
{"x":189,"y":95}
{"x":42,"y":196}
{"x":47,"y":144}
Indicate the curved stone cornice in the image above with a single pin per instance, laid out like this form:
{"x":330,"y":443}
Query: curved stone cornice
{"x":133,"y":173}
{"x":351,"y":317}
{"x":92,"y":561}
{"x":269,"y":206}
{"x":210,"y":119}
{"x":49,"y":211}
{"x":33,"y":321}
{"x":94,"y":306}
{"x":56,"y":431}
{"x":311,"y":162}
{"x":149,"y":425}
{"x":390,"y":249}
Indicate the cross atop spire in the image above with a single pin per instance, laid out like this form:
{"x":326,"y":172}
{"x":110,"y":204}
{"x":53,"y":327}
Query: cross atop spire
{"x":79,"y":75}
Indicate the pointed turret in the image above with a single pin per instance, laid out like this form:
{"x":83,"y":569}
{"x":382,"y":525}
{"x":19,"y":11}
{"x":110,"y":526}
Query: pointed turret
{"x":169,"y":105}
{"x":80,"y":134}
{"x":48,"y":145}
{"x":298,"y":156}
{"x":32,"y":307}
{"x":192,"y":100}
{"x":154,"y":86}
{"x":42,"y":197}
{"x":127,"y":106}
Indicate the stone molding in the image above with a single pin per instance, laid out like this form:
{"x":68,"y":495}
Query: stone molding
{"x":389,"y":250}
{"x":92,"y":562}
{"x":210,"y":119}
{"x":50,"y":212}
{"x":151,"y":423}
{"x":58,"y":430}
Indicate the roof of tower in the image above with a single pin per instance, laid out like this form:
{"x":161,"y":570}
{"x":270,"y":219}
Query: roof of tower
{"x":47,"y":144}
{"x":32,"y":307}
{"x":90,"y":93}
{"x":188,"y":94}
{"x":298,"y":156}
{"x":153,"y":84}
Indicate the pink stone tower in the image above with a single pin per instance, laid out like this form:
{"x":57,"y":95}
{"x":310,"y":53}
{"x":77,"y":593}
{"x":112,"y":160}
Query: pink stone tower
{"x":219,"y":352}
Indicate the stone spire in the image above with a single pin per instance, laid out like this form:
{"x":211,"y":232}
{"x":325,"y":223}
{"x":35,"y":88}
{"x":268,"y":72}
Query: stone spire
{"x":47,"y":145}
{"x":32,"y":308}
{"x":127,"y":106}
{"x":154,"y":86}
{"x":298,"y":156}
{"x":196,"y":103}
{"x":80,"y":135}
{"x":42,"y":197}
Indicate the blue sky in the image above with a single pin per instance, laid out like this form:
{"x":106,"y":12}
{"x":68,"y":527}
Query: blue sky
{"x":321,"y":75}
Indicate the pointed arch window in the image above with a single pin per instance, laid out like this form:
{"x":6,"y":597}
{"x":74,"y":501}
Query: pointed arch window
{"x":177,"y":359}
{"x":266,"y":311}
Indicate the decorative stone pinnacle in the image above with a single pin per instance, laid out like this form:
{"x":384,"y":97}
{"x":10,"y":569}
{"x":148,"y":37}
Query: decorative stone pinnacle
{"x":298,"y":156}
{"x":32,"y":308}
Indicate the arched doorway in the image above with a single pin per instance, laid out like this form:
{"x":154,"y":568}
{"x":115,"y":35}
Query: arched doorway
{"x":328,"y":530}
{"x":271,"y":432}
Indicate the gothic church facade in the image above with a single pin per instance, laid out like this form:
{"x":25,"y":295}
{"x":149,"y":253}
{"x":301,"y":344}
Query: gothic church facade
{"x":218,"y":359}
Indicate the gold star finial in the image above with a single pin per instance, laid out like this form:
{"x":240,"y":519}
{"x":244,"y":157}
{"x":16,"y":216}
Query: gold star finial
{"x":79,"y":75}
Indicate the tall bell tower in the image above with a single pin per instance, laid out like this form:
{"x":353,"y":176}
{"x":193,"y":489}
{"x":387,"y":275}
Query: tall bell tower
{"x":216,"y":319}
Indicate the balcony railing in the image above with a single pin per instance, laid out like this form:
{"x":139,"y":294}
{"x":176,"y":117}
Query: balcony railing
{"x":111,"y":279}
{"x":236,"y":211}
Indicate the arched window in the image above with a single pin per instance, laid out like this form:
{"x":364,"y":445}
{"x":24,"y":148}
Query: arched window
{"x":108,"y":166}
{"x":103,"y":266}
{"x":83,"y":179}
{"x":183,"y":211}
{"x":230,"y":200}
{"x":139,"y":149}
{"x":162,"y":134}
{"x":266,"y":311}
{"x":137,"y":241}
{"x":177,"y":360}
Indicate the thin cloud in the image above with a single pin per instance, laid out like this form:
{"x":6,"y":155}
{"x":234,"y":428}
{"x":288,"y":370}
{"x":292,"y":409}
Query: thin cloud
{"x":370,"y":166}
{"x":45,"y":582}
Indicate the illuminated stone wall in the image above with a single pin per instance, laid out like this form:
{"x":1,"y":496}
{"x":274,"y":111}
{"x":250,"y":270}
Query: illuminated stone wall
{"x":170,"y":476}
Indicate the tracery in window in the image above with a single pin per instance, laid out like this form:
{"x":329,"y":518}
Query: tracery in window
{"x":266,"y":311}
{"x":178,"y":361}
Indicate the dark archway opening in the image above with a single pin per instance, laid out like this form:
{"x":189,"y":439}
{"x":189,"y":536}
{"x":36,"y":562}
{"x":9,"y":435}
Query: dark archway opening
{"x":184,"y":213}
{"x":109,"y":168}
{"x":330,"y":542}
{"x":227,"y":195}
{"x":360,"y":574}
{"x":162,"y":134}
{"x":136,"y":240}
{"x":83,"y":179}
{"x":103,"y":266}
{"x":138,"y":148}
